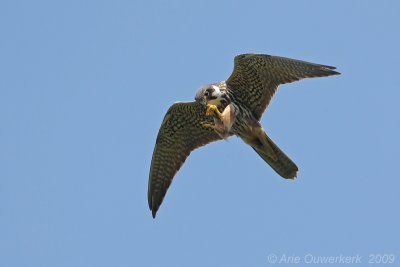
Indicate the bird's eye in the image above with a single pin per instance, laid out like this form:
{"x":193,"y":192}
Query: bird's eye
{"x":206,"y":93}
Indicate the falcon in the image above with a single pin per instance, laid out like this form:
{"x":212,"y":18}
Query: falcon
{"x":223,"y":109}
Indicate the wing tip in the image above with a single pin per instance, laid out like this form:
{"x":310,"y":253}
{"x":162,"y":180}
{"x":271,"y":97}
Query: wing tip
{"x":153,"y":208}
{"x":153,"y":213}
{"x":325,"y":70}
{"x":333,"y":72}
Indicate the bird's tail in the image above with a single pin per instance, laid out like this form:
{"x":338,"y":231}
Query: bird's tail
{"x":272,"y":155}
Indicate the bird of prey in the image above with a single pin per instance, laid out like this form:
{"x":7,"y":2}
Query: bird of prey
{"x":223,"y":109}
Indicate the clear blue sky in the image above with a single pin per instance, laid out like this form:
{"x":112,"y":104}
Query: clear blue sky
{"x":85,"y":85}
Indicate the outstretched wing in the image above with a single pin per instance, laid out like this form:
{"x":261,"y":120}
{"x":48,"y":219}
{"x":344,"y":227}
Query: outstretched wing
{"x":181,"y":132}
{"x":256,"y":77}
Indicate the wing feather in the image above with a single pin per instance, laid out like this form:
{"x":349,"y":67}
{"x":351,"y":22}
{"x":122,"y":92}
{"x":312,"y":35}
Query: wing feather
{"x":180,"y":133}
{"x":256,"y":77}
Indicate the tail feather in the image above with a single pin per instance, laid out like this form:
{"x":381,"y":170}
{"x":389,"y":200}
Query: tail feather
{"x":281,"y":163}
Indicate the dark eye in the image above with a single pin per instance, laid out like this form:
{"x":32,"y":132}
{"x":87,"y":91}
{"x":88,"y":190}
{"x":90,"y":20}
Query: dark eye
{"x":206,"y":93}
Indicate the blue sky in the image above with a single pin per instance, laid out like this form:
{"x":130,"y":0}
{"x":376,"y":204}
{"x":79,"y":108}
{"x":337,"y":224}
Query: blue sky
{"x":85,"y":85}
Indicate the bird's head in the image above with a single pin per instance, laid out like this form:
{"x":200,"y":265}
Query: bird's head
{"x":209,"y":94}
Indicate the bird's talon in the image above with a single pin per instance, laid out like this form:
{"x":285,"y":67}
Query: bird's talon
{"x":210,"y":110}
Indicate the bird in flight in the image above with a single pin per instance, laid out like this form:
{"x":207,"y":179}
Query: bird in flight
{"x":223,"y":109}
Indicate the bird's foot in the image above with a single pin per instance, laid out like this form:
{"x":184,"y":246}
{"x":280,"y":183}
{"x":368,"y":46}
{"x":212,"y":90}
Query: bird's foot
{"x":211,"y":110}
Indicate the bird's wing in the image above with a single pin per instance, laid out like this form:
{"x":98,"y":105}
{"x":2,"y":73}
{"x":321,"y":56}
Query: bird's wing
{"x":256,"y":77}
{"x":181,"y":132}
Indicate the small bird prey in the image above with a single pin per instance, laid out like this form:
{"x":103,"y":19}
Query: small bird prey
{"x":223,"y":109}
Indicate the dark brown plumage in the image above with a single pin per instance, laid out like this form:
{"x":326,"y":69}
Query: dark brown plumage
{"x":181,"y":132}
{"x":248,"y":91}
{"x":256,"y":77}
